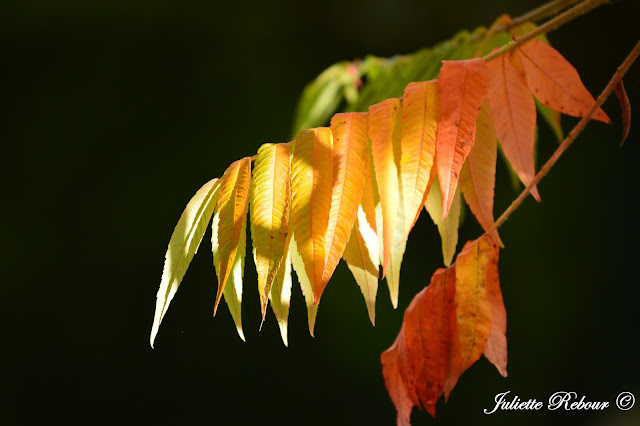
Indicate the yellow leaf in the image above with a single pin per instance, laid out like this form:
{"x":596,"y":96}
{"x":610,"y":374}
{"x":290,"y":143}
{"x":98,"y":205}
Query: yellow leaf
{"x":280,"y":295}
{"x":231,"y":208}
{"x":361,"y":255}
{"x":305,"y":283}
{"x":350,"y":163}
{"x":183,"y":245}
{"x":233,"y":289}
{"x":385,"y":132}
{"x":311,"y":187}
{"x":270,"y":202}
{"x":420,"y":111}
{"x":447,"y":227}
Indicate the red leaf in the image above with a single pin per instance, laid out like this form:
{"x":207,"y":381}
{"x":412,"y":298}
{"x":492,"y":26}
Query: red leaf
{"x":625,"y":106}
{"x":514,"y":116}
{"x":496,"y":351}
{"x":462,"y":86}
{"x":554,"y":81}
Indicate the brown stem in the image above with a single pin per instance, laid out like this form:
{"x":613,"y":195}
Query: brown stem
{"x":569,"y":15}
{"x":617,"y":77}
{"x":546,"y":10}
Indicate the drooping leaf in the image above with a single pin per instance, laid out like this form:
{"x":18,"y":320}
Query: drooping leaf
{"x":447,"y":227}
{"x":429,"y":331}
{"x":473,"y":310}
{"x":232,"y":209}
{"x":513,"y":112}
{"x":233,"y":288}
{"x":183,"y":245}
{"x":280,"y":295}
{"x":362,"y":257}
{"x":463,"y":86}
{"x":478,"y":174}
{"x":311,"y":188}
{"x":384,"y":132}
{"x":350,"y":163}
{"x":625,"y":107}
{"x":394,"y":383}
{"x":420,"y":113}
{"x":270,"y":203}
{"x":554,"y":81}
{"x":305,"y":283}
{"x":496,"y":351}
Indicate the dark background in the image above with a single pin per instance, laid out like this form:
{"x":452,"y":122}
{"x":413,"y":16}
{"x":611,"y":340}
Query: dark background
{"x":116,"y":112}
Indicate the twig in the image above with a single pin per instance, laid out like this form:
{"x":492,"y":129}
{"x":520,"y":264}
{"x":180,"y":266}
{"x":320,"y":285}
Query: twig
{"x":617,"y":77}
{"x":569,"y":15}
{"x":546,"y":10}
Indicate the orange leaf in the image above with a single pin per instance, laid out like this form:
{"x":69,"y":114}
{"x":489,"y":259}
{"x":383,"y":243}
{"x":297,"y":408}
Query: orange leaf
{"x":350,"y":164}
{"x":394,"y":383}
{"x":462,"y":86}
{"x":270,"y":199}
{"x":427,"y":338}
{"x":478,"y":174}
{"x":625,"y":107}
{"x":514,"y":115}
{"x":420,"y":110}
{"x":446,"y":328}
{"x":554,"y":81}
{"x":384,"y":132}
{"x":232,"y":209}
{"x":473,"y":311}
{"x":496,"y":351}
{"x":311,"y":185}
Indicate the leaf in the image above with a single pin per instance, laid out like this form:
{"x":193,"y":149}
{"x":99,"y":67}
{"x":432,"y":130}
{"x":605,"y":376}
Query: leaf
{"x":394,"y":383}
{"x":305,"y":284}
{"x":183,"y":245}
{"x":232,"y":209}
{"x":447,"y":227}
{"x":233,"y":289}
{"x":478,"y":174}
{"x":429,"y":331}
{"x":311,"y":189}
{"x":320,"y":98}
{"x":350,"y":163}
{"x":270,"y":203}
{"x":362,"y":257}
{"x":462,"y":86}
{"x":625,"y":107}
{"x":420,"y":111}
{"x":554,"y":81}
{"x":473,"y":311}
{"x":280,"y":295}
{"x":496,"y":351}
{"x":384,"y":132}
{"x":513,"y":112}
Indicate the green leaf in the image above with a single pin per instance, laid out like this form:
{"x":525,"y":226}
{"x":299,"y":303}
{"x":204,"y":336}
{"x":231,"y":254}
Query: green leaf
{"x":183,"y":245}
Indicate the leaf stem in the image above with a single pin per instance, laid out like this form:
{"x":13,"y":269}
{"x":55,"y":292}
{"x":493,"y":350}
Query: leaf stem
{"x":617,"y":77}
{"x":567,"y":16}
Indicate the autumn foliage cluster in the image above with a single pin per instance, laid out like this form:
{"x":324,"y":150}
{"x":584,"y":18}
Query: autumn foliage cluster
{"x":354,"y":191}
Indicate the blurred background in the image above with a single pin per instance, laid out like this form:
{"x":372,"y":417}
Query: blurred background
{"x":116,"y":112}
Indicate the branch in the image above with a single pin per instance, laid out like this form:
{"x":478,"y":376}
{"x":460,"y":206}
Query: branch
{"x":615,"y":80}
{"x":567,"y":16}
